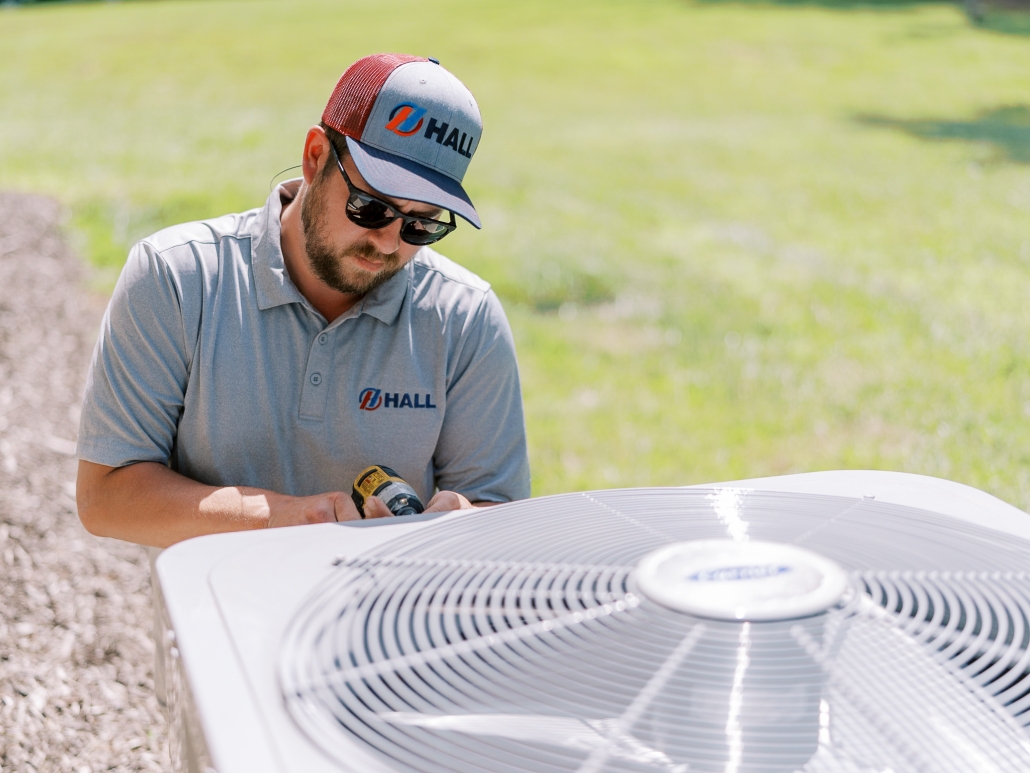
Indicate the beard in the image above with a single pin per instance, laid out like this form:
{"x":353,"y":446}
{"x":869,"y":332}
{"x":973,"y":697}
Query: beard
{"x":330,"y":265}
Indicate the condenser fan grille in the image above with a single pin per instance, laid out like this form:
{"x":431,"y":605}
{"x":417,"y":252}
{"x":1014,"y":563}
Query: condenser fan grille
{"x":973,"y":623}
{"x":514,"y":639}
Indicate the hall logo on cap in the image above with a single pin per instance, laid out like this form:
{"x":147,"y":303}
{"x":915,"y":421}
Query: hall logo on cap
{"x":406,"y":119}
{"x":461,"y":145}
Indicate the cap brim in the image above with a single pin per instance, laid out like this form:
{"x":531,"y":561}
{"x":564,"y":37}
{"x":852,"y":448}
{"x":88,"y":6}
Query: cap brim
{"x":395,"y":176}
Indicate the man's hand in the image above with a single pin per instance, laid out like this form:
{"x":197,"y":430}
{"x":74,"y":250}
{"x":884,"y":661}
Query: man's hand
{"x":150,"y":504}
{"x":447,"y":500}
{"x":321,"y":508}
{"x":443,"y":502}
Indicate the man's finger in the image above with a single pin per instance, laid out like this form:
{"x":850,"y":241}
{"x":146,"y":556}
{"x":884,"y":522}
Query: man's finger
{"x":345,"y":508}
{"x":445,"y":501}
{"x":376,"y":508}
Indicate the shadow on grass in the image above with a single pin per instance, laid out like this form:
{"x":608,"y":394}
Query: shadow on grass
{"x":1009,"y":17}
{"x":1006,"y":129}
{"x":836,"y":4}
{"x":1007,"y":22}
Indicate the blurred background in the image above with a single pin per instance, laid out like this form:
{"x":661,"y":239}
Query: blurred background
{"x":733,"y":239}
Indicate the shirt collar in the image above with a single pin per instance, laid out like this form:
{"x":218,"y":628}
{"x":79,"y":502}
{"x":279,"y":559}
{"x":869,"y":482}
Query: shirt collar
{"x":272,"y":281}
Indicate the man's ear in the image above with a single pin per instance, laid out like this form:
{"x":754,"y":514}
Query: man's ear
{"x":316,"y":153}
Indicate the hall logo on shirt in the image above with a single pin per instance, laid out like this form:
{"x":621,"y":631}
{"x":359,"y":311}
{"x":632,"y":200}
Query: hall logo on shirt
{"x":372,"y":399}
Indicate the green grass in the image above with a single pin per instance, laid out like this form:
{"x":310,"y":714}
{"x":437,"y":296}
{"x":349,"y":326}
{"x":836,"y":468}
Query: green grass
{"x":733,"y":239}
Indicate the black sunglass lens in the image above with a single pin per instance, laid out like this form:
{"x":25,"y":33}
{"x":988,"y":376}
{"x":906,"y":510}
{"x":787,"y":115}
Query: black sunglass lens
{"x":424,"y":231}
{"x":368,"y":212}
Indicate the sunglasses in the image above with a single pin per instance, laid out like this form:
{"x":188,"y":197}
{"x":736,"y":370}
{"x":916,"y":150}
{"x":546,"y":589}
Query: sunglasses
{"x":367,"y":211}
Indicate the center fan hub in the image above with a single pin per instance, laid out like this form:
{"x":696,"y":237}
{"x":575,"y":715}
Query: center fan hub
{"x":749,"y":580}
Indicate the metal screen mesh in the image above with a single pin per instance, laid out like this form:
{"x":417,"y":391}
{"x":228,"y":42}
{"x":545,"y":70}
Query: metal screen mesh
{"x":512,"y":639}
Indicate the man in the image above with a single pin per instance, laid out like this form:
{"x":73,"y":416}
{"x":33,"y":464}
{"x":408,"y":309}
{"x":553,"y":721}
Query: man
{"x":249,"y":367}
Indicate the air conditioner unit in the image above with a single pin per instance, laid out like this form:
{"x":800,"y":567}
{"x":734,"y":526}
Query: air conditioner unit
{"x":853,"y":622}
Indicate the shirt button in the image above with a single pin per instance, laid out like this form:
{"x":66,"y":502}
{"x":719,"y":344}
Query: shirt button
{"x":323,"y":338}
{"x":316,"y":378}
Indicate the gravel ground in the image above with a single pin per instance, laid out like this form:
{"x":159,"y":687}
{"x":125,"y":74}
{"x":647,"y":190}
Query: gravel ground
{"x":76,"y":659}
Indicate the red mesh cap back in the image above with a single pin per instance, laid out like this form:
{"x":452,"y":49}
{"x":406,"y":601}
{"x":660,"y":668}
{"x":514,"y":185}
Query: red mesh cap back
{"x":357,"y":89}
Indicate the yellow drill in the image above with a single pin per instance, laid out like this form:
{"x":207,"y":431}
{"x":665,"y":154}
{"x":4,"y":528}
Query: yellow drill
{"x":380,"y":481}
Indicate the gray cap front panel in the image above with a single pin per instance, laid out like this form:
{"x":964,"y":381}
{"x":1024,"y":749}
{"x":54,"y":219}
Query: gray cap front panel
{"x":425,"y":114}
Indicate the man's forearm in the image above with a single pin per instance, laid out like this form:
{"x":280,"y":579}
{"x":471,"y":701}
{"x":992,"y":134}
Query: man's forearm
{"x":150,"y":504}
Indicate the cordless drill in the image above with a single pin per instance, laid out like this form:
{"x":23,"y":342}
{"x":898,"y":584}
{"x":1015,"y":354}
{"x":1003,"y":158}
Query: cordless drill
{"x":380,"y":481}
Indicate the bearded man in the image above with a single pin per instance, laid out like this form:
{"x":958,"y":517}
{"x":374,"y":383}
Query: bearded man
{"x":249,"y":367}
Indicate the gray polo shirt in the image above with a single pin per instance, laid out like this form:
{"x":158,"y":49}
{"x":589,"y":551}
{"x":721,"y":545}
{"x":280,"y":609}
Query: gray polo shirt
{"x":209,"y":359}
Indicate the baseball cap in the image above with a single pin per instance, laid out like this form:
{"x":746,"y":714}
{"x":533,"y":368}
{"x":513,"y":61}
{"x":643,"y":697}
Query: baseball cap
{"x":411,"y":128}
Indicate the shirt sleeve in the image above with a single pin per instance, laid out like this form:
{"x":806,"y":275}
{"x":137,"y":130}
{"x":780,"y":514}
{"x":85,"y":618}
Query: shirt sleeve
{"x":481,"y":451}
{"x":137,"y":378}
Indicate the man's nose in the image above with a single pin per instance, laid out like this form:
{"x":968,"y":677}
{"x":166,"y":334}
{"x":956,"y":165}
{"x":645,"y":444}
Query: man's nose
{"x":387,"y":239}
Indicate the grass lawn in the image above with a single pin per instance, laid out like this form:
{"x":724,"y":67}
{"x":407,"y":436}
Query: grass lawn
{"x":733,"y":239}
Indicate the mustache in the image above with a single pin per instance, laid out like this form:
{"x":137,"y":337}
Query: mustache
{"x":367,"y":252}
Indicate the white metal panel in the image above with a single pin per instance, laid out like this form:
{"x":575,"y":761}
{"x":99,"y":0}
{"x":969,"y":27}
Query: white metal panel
{"x":233,"y":722}
{"x":900,"y":488}
{"x":229,"y":621}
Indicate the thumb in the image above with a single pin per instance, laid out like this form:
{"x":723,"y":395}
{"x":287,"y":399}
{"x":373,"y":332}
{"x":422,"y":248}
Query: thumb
{"x":376,"y":508}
